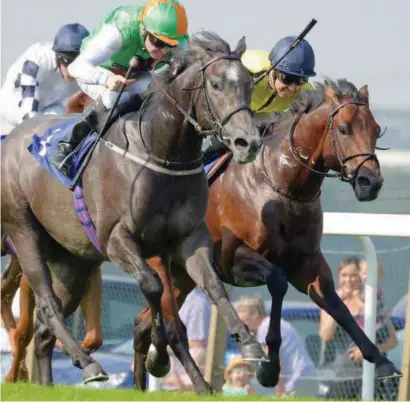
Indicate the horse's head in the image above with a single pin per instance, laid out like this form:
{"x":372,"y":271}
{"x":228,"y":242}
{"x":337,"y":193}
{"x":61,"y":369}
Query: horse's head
{"x":222,"y":100}
{"x":351,"y":141}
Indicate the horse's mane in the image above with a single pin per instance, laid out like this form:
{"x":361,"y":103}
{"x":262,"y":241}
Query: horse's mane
{"x":200,"y":46}
{"x":309,"y":100}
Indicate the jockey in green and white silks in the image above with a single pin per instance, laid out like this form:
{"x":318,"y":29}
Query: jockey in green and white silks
{"x":148,"y":33}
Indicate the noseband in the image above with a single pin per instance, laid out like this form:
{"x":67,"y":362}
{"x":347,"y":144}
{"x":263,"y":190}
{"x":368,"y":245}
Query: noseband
{"x":344,"y":174}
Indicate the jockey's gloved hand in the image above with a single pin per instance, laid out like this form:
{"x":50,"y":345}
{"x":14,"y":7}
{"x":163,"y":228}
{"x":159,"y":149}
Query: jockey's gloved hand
{"x":114,"y":82}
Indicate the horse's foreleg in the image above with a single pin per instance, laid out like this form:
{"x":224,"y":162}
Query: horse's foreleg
{"x":196,"y":254}
{"x":23,"y":333}
{"x":171,"y":299}
{"x":123,"y":251}
{"x":250,"y":268}
{"x":315,"y":279}
{"x":91,"y":308}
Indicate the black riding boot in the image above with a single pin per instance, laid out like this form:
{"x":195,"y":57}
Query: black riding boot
{"x":92,"y":118}
{"x":95,"y":112}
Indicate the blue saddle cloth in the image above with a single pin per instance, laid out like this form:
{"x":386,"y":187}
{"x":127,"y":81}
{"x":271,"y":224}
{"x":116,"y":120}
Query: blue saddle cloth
{"x":42,"y":147}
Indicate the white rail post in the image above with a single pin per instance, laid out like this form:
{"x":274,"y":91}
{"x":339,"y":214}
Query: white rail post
{"x":370,"y":305}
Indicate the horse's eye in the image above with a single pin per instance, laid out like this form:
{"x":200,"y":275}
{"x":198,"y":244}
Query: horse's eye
{"x":343,"y":129}
{"x":214,"y":85}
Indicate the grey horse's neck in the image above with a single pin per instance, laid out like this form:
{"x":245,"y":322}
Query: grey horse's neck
{"x":162,"y":129}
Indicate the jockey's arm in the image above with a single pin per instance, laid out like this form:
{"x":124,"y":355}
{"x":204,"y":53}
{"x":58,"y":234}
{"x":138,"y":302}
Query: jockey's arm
{"x":86,"y":66}
{"x":28,"y":80}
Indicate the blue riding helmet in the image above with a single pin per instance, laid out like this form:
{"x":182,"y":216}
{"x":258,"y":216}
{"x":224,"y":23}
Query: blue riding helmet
{"x":69,"y":38}
{"x":300,"y":61}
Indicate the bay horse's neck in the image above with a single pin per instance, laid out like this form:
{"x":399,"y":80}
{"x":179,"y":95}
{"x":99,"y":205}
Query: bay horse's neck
{"x":165,"y":131}
{"x":283,"y":166}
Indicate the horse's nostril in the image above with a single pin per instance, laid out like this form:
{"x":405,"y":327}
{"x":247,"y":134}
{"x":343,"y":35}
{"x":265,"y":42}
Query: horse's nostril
{"x":363,"y":181}
{"x":241,"y":143}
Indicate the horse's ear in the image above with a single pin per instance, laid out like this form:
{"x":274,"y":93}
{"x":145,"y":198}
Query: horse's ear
{"x":364,"y":94}
{"x":331,"y":95}
{"x":240,"y":47}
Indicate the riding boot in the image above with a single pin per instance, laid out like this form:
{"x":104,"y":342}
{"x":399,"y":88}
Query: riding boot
{"x":92,"y":118}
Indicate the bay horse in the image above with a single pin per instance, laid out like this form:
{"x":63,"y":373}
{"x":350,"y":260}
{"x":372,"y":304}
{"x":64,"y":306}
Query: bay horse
{"x":266,"y":218}
{"x":140,"y":210}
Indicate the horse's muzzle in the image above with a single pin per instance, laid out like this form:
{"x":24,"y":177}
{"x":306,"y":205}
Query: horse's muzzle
{"x":245,"y":148}
{"x":367,"y":185}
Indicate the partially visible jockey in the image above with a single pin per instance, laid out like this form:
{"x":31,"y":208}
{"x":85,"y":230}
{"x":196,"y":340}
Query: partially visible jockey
{"x":146,"y":32}
{"x":278,"y":89}
{"x":38,"y":82}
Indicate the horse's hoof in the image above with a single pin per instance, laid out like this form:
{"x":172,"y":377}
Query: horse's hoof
{"x":267,"y":374}
{"x":94,"y":372}
{"x":157,"y":365}
{"x":253,"y":352}
{"x":387,"y":370}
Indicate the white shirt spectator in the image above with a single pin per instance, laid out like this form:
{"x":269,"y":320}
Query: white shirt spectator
{"x":4,"y":339}
{"x":399,"y":310}
{"x":295,"y":360}
{"x":34,"y":85}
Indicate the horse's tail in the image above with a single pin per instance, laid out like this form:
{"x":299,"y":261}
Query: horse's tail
{"x":78,"y":102}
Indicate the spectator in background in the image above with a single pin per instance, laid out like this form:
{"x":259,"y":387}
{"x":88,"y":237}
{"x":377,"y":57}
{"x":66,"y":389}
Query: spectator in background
{"x":295,"y":360}
{"x":400,"y":309}
{"x":350,"y":291}
{"x":195,"y":313}
{"x":238,"y":374}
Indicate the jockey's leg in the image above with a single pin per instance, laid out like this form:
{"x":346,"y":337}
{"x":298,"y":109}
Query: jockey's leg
{"x":93,"y":118}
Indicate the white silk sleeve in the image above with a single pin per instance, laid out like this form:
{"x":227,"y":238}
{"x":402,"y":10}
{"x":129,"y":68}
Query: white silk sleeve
{"x":85,"y":67}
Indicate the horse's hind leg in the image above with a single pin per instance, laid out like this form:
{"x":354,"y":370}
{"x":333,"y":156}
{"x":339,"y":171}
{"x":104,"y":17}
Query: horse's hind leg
{"x":28,"y":242}
{"x":197,"y":255}
{"x":91,"y":308}
{"x":10,"y":282}
{"x":23,"y":333}
{"x":315,"y":278}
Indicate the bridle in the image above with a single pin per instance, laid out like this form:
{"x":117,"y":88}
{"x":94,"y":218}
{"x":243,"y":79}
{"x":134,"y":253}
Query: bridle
{"x":217,"y":124}
{"x":344,"y":174}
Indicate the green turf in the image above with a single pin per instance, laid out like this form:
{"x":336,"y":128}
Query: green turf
{"x":31,"y":392}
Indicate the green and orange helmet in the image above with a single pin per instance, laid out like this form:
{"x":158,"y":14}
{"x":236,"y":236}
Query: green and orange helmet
{"x":166,"y":20}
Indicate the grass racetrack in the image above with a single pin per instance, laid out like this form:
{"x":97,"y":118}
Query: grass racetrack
{"x":32,"y":392}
